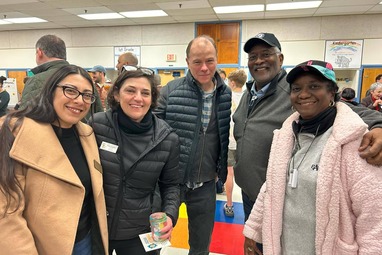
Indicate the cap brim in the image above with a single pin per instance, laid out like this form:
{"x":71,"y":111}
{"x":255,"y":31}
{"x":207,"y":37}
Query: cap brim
{"x":298,"y":70}
{"x":253,"y":41}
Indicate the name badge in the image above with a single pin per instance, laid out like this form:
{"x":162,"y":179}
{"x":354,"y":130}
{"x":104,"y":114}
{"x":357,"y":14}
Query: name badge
{"x":109,"y":147}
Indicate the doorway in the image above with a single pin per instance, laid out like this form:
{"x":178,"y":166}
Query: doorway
{"x":227,"y":39}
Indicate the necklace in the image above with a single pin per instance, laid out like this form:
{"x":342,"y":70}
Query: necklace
{"x":293,"y":178}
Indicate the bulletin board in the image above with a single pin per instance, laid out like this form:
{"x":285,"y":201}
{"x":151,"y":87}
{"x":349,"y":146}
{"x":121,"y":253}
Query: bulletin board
{"x":11,"y":87}
{"x":344,"y":53}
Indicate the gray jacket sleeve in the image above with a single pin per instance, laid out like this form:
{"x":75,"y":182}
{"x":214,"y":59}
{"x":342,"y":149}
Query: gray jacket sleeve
{"x":372,"y":118}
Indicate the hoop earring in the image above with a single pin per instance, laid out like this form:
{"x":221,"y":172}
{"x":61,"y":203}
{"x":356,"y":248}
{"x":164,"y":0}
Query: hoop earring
{"x":292,"y":108}
{"x":332,"y":103}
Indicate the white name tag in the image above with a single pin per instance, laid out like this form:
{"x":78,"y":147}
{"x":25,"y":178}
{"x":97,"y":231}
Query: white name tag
{"x":109,"y":147}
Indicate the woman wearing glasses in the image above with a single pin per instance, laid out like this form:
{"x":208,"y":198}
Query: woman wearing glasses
{"x":137,"y":151}
{"x":51,"y":199}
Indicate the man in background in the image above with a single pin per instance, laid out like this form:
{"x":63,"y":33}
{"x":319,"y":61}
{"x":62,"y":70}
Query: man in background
{"x":98,"y":74}
{"x":198,"y":108}
{"x":50,"y":56}
{"x":127,"y":58}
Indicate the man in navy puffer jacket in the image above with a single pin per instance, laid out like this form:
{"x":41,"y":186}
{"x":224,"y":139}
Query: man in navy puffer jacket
{"x":198,"y":108}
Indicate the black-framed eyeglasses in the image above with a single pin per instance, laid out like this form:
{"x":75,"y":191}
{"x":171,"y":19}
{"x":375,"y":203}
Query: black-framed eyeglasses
{"x":144,"y":70}
{"x":73,"y":93}
{"x":263,"y":56}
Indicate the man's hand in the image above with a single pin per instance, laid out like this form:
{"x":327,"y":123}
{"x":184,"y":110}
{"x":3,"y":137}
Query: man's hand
{"x":167,"y":230}
{"x":371,"y":146}
{"x":250,"y":247}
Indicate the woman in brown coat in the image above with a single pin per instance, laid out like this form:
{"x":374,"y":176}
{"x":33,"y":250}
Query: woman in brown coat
{"x":51,"y":195}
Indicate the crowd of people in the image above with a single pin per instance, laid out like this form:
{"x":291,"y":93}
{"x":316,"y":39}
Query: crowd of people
{"x":82,"y":167}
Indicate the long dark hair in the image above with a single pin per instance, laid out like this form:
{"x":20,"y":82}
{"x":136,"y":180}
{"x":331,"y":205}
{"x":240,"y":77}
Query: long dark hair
{"x":39,"y":109}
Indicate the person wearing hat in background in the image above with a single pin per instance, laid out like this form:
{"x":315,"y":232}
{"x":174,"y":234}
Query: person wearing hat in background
{"x":4,"y":97}
{"x":320,"y":196}
{"x":98,"y":74}
{"x":264,"y":106}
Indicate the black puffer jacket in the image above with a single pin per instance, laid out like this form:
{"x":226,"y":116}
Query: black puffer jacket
{"x":180,"y":105}
{"x":129,"y":192}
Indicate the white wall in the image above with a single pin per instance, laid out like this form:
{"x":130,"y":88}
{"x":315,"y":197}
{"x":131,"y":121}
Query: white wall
{"x":301,"y":39}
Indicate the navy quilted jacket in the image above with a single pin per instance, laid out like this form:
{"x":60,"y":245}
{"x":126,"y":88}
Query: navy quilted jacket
{"x":180,"y":105}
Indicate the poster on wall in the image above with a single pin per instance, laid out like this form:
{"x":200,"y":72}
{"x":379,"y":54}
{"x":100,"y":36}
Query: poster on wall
{"x":119,"y":50}
{"x":11,"y":87}
{"x":344,"y":53}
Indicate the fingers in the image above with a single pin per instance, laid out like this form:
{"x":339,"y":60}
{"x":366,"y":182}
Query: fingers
{"x":371,"y":146}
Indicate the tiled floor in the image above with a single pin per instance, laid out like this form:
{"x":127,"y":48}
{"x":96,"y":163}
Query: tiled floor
{"x":227,"y":236}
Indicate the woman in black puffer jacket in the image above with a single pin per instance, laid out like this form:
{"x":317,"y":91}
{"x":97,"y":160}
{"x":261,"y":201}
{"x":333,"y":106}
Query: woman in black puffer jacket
{"x":138,"y":151}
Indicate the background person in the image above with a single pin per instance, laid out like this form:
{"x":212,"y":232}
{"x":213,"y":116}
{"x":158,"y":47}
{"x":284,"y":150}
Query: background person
{"x":138,"y":150}
{"x":98,"y":74}
{"x":4,"y":97}
{"x":50,"y":56}
{"x":127,"y":58}
{"x":236,"y":81}
{"x":198,"y":107}
{"x":51,"y":198}
{"x":374,"y":101}
{"x":348,"y":95}
{"x":320,"y":197}
{"x":223,"y":75}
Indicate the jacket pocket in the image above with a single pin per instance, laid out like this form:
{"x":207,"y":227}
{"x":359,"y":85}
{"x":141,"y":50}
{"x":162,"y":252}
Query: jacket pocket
{"x":343,"y":248}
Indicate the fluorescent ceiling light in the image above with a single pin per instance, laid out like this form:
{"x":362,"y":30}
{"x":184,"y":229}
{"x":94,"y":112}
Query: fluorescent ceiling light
{"x":25,"y":20}
{"x":3,"y":22}
{"x":95,"y":16}
{"x":142,"y":14}
{"x":239,"y":8}
{"x":292,"y":6}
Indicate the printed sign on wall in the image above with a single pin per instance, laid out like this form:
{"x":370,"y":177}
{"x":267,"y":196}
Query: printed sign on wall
{"x":10,"y":86}
{"x":119,"y":50}
{"x":344,"y":53}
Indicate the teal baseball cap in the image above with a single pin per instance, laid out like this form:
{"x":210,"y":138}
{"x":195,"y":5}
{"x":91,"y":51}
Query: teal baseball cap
{"x":321,"y":68}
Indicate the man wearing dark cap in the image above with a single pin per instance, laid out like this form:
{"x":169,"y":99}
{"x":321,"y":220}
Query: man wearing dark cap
{"x":264,"y":107}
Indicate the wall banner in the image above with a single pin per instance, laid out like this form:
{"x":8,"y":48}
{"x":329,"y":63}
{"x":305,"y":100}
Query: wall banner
{"x":344,"y":53}
{"x":10,"y":86}
{"x":119,"y":50}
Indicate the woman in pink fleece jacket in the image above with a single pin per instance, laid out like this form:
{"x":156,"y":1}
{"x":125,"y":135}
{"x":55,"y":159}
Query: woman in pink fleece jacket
{"x":320,"y":197}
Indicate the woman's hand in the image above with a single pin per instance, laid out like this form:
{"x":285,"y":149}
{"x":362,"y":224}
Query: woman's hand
{"x":250,"y":247}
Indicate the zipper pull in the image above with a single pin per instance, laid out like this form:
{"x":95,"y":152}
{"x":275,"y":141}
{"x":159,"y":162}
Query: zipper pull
{"x":254,"y":97}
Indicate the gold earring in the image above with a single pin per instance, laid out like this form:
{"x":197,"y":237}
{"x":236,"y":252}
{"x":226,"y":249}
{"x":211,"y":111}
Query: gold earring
{"x":332,"y":103}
